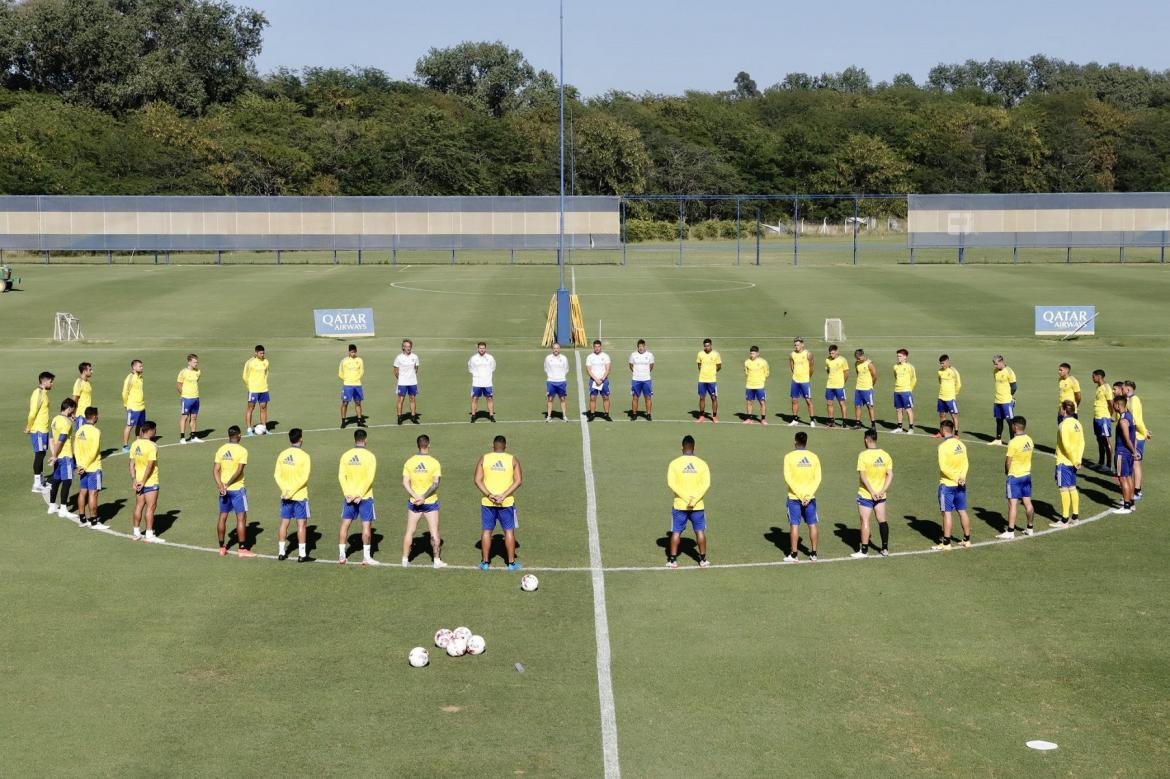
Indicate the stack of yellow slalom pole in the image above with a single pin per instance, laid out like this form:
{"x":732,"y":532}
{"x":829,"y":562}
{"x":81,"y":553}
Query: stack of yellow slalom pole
{"x":577,"y":322}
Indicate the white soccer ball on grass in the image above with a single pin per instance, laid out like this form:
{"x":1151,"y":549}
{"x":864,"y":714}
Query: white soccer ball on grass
{"x":461,"y":632}
{"x":442,"y":638}
{"x":457,"y":647}
{"x":529,"y":583}
{"x":419,"y":657}
{"x":260,"y":430}
{"x":476,"y":645}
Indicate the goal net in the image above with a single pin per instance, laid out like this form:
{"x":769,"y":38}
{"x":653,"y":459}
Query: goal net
{"x":834,"y":330}
{"x":66,"y":327}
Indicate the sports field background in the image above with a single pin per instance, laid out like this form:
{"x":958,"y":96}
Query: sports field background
{"x":118,"y":658}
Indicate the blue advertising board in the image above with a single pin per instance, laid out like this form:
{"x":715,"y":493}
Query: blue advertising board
{"x":344,"y":322}
{"x":1066,"y":320}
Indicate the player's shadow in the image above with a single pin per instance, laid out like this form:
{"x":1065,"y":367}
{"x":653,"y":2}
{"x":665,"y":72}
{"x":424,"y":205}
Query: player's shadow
{"x":781,"y":539}
{"x":686,"y":546}
{"x":850,"y":536}
{"x":1046,"y":449}
{"x":107,"y":511}
{"x":108,"y":452}
{"x":251,"y":532}
{"x":420,"y":545}
{"x":206,"y":433}
{"x":928,"y":528}
{"x":555,"y":414}
{"x":163,"y":522}
{"x":312,"y":536}
{"x":635,"y":417}
{"x":408,"y":417}
{"x":1043,"y":508}
{"x":497,"y":548}
{"x":354,"y":542}
{"x":481,"y":414}
{"x":993,"y":519}
{"x":985,"y":437}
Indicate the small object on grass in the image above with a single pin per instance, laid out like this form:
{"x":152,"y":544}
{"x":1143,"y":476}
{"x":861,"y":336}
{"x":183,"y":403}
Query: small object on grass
{"x":520,"y":667}
{"x":1043,"y":746}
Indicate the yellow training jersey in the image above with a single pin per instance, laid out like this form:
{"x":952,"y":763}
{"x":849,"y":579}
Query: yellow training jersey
{"x":1019,"y":452}
{"x":351,"y":371}
{"x":949,"y":384}
{"x":864,"y":377}
{"x":836,"y":369}
{"x":876,"y":465}
{"x":38,"y":411}
{"x":256,"y":374}
{"x":422,"y":470}
{"x":756,"y":371}
{"x":87,"y":448}
{"x":229,"y":457}
{"x":802,"y":474}
{"x":689,"y":478}
{"x":497,"y":476}
{"x":952,"y":462}
{"x":133,"y":392}
{"x":1003,"y":385}
{"x":293,"y":467}
{"x":189,"y":378}
{"x":905,"y":378}
{"x":801,"y":365}
{"x":709,"y":363}
{"x":1139,"y":421}
{"x":1070,"y":442}
{"x":356,"y":471}
{"x":143,"y":452}
{"x":1067,"y":389}
{"x":62,"y":431}
{"x":83,"y":391}
{"x":1103,"y":402}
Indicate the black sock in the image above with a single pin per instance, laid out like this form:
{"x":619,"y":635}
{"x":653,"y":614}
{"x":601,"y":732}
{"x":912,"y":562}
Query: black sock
{"x":999,"y":428}
{"x":702,"y":558}
{"x":38,"y":463}
{"x":54,"y":487}
{"x":884,"y":530}
{"x":966,"y":536}
{"x":946,"y":540}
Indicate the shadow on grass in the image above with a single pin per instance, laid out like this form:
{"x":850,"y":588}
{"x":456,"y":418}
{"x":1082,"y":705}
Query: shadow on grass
{"x":163,"y":522}
{"x":497,"y":548}
{"x":781,"y":540}
{"x":251,"y":532}
{"x":850,"y":536}
{"x":420,"y":545}
{"x":107,"y":511}
{"x":354,"y":542}
{"x":927,"y":528}
{"x":686,"y":546}
{"x":312,"y":536}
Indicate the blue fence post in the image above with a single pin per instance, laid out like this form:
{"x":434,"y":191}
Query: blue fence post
{"x":278,"y":256}
{"x":1015,"y":248}
{"x":1162,"y":257}
{"x":757,"y":235}
{"x":334,"y":256}
{"x":359,"y":256}
{"x":855,"y":211}
{"x":511,"y":256}
{"x":623,"y":228}
{"x":681,"y":227}
{"x":46,"y":256}
{"x":737,"y":204}
{"x":219,"y":257}
{"x":796,"y":230}
{"x":452,"y":256}
{"x":911,"y":255}
{"x":1068,"y":255}
{"x":168,"y":256}
{"x":1121,"y":253}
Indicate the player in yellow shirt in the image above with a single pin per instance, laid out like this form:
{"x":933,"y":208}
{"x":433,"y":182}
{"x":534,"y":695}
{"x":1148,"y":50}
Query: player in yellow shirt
{"x":756,"y":372}
{"x":61,"y":459}
{"x":293,"y":467}
{"x":420,"y":478}
{"x":134,"y":401}
{"x":144,"y":480}
{"x":875,"y":474}
{"x":1102,"y":422}
{"x":688,"y":478}
{"x":355,"y":474}
{"x":497,"y":477}
{"x":905,"y":380}
{"x":800,"y":365}
{"x":87,"y":452}
{"x":1003,"y":405}
{"x":802,"y":476}
{"x":351,"y":371}
{"x":37,"y":429}
{"x":256,"y":381}
{"x":837,"y":370}
{"x":1017,"y":466}
{"x":227,"y":469}
{"x":82,"y":391}
{"x":1134,"y":404}
{"x":863,"y":389}
{"x":710,"y":364}
{"x":187,"y":385}
{"x":1068,"y":388}
{"x":952,"y":484}
{"x":1070,"y":448}
{"x":949,"y":386}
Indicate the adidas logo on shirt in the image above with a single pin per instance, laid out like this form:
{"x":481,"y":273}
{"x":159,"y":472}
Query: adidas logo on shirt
{"x":289,"y":460}
{"x":227,"y":455}
{"x":690,"y":468}
{"x":804,"y":462}
{"x":498,"y":466}
{"x":958,"y":450}
{"x":420,"y":468}
{"x":355,"y":460}
{"x":879,"y":461}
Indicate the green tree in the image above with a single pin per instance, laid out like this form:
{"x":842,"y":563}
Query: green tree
{"x":611,"y":158}
{"x":745,"y":85}
{"x":490,"y":75}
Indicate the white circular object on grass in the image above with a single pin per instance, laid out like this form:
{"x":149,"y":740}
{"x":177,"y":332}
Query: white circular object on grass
{"x":260,"y":430}
{"x":1043,"y":746}
{"x":461,"y":632}
{"x":419,"y":657}
{"x":529,"y":583}
{"x":457,"y":647}
{"x":442,"y":637}
{"x":476,"y":645}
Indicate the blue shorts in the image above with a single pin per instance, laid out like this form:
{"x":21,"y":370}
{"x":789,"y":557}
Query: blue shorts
{"x":800,"y":389}
{"x":952,"y":498}
{"x":708,"y":388}
{"x":259,"y":397}
{"x":294,"y":509}
{"x":363,"y":510}
{"x":407,"y":389}
{"x":40,"y":441}
{"x":603,"y":392}
{"x":78,"y":420}
{"x":642,"y":388}
{"x":1103,"y":428}
{"x":1125,"y":464}
{"x":556,"y":388}
{"x":92,"y":480}
{"x":351,"y":393}
{"x":863,"y":397}
{"x":868,"y":503}
{"x":835,"y":393}
{"x":755,"y":394}
{"x":151,"y":488}
{"x":1141,"y":446}
{"x":425,"y":508}
{"x":188,"y":406}
{"x":63,"y":469}
{"x":135,"y":418}
{"x":680,"y":517}
{"x":1003,"y":410}
{"x":235,"y":500}
{"x":1019,"y":487}
{"x":948,"y":407}
{"x":1066,"y":476}
{"x":797,"y":512}
{"x":490,"y":515}
{"x":903,"y":400}
{"x":481,"y":392}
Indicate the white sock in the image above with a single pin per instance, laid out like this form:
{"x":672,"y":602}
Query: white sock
{"x":283,"y":547}
{"x":405,"y":560}
{"x":150,"y":534}
{"x":301,"y":550}
{"x":366,"y":551}
{"x":137,"y":533}
{"x":341,"y":551}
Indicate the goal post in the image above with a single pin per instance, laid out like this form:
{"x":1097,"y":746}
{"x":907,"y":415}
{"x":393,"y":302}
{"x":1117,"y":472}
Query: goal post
{"x":66,"y":327}
{"x":834,"y":330}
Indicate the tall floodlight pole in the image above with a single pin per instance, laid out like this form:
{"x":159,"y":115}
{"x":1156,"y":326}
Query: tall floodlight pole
{"x":561,"y":235}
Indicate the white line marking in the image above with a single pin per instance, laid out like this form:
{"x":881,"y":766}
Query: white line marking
{"x":739,"y":286}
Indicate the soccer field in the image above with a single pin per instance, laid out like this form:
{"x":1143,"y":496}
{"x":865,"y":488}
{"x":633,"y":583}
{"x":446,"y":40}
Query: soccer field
{"x":119,"y":658}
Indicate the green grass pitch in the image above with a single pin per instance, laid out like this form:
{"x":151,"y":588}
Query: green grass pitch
{"x":122,"y":659}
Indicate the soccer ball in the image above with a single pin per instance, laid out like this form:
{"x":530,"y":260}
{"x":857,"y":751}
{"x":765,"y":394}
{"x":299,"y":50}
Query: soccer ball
{"x":419,"y":657}
{"x":529,"y":583}
{"x":461,"y":632}
{"x":476,"y":645}
{"x":260,"y":430}
{"x":442,"y":638}
{"x":457,"y":647}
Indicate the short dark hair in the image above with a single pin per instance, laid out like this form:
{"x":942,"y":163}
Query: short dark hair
{"x":500,"y":440}
{"x":81,"y":366}
{"x":91,"y":412}
{"x":422,"y":440}
{"x":351,"y":348}
{"x":688,"y":442}
{"x":259,"y":348}
{"x":1019,"y":422}
{"x":754,"y":348}
{"x":68,"y":403}
{"x":858,"y":352}
{"x":1115,"y":384}
{"x":295,"y":435}
{"x":641,"y":342}
{"x":1122,"y":399}
{"x":801,"y":438}
{"x":833,"y":348}
{"x":233,"y":430}
{"x":192,"y":356}
{"x":1068,"y":407}
{"x":482,"y":343}
{"x":871,"y":435}
{"x":359,"y":436}
{"x":903,"y":351}
{"x":1131,"y":385}
{"x":147,"y":427}
{"x":596,"y":342}
{"x":1066,"y":366}
{"x":135,"y":362}
{"x":1099,"y":372}
{"x":943,"y":357}
{"x":45,"y":375}
{"x":706,"y":341}
{"x":946,"y":424}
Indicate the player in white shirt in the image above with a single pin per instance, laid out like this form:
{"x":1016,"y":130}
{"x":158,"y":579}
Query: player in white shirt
{"x":556,"y":375}
{"x":641,"y":366}
{"x":597,"y":365}
{"x":481,"y":366}
{"x":406,"y":374}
